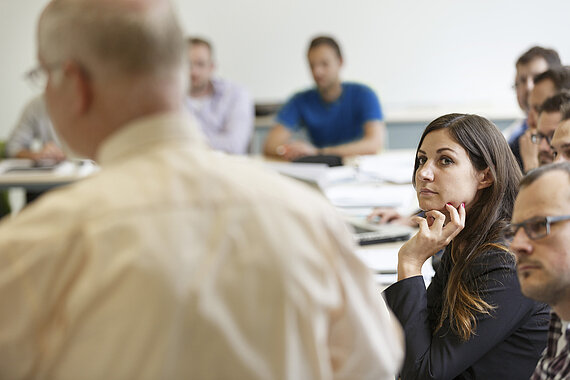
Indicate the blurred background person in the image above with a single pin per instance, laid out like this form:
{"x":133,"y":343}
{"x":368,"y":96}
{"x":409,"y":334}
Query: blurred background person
{"x":561,"y":139}
{"x":549,"y":118}
{"x":546,"y":84}
{"x":340,"y":118}
{"x":34,"y":136}
{"x":173,"y":261}
{"x":224,"y":110}
{"x":534,"y":61}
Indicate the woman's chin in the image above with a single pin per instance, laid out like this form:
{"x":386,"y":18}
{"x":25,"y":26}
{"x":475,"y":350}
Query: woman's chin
{"x":431,"y":205}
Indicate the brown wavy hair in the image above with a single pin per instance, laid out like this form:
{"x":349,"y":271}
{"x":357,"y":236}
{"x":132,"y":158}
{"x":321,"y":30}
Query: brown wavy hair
{"x":486,"y":219}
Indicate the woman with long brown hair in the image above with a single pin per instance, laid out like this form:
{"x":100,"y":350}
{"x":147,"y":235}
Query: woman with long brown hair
{"x":472,"y":321}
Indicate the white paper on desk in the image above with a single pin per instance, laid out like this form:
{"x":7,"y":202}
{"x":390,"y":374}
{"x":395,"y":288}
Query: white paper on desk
{"x":321,"y":174}
{"x":385,"y":279}
{"x":384,"y":261}
{"x":75,"y":168}
{"x":380,"y":260}
{"x":396,"y":167}
{"x":370,"y":195}
{"x":355,"y":212}
{"x":16,"y":167}
{"x":11,"y":163}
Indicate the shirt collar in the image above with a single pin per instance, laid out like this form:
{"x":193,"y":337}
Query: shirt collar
{"x":135,"y":135}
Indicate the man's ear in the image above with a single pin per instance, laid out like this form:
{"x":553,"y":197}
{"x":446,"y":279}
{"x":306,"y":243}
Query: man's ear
{"x":81,"y":86}
{"x":485,"y":179}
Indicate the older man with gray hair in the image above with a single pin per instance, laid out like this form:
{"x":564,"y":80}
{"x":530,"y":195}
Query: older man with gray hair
{"x":172,"y":262}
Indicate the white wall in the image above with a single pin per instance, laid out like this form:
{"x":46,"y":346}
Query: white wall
{"x":425,"y":57}
{"x":17,"y":42}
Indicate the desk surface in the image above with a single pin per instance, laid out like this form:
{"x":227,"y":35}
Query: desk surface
{"x":382,"y":259}
{"x":19,"y":173}
{"x":356,"y":188}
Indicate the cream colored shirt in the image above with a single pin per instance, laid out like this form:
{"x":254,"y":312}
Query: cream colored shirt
{"x":176,"y":262}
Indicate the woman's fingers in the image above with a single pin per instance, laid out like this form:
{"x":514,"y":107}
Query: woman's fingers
{"x":433,"y":228}
{"x":437,"y":219}
{"x":462,"y":213}
{"x":456,"y":215}
{"x":421,"y":222}
{"x":456,"y":221}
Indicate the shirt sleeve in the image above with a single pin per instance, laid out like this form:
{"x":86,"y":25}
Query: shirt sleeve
{"x":443,"y":355}
{"x":290,"y":115}
{"x":34,"y":124}
{"x":370,"y":107}
{"x":23,"y":134}
{"x":238,"y":126}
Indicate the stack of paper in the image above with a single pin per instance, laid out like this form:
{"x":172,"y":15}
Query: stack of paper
{"x":320,"y":174}
{"x":394,"y":166}
{"x":370,"y":195}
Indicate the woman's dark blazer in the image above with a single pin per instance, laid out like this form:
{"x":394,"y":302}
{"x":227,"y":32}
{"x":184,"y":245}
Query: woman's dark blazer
{"x":507,"y":343}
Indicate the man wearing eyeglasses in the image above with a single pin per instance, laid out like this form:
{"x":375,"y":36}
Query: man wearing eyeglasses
{"x":541,"y":242}
{"x":549,"y":117}
{"x":173,"y":261}
{"x":534,"y":61}
{"x":561,"y":139}
{"x":546,"y":85}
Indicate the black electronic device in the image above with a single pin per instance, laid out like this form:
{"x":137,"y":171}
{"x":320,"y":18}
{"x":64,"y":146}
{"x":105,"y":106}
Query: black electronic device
{"x":366,"y":233}
{"x":329,"y":159}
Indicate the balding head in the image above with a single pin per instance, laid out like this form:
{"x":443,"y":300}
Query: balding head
{"x":103,"y":53}
{"x":113,"y":37}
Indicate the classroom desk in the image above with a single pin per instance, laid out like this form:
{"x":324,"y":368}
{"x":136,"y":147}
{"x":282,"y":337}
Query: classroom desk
{"x":382,"y":259}
{"x":42,"y":179}
{"x":363,"y":183}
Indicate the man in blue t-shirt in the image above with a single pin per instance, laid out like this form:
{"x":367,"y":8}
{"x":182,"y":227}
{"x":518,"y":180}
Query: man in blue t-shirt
{"x":342,"y":119}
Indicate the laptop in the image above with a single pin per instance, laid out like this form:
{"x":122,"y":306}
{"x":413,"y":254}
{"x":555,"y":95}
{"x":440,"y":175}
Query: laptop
{"x":366,"y":233}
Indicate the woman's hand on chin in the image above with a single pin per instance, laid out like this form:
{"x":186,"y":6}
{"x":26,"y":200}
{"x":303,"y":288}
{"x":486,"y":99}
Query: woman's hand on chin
{"x":434,"y":235}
